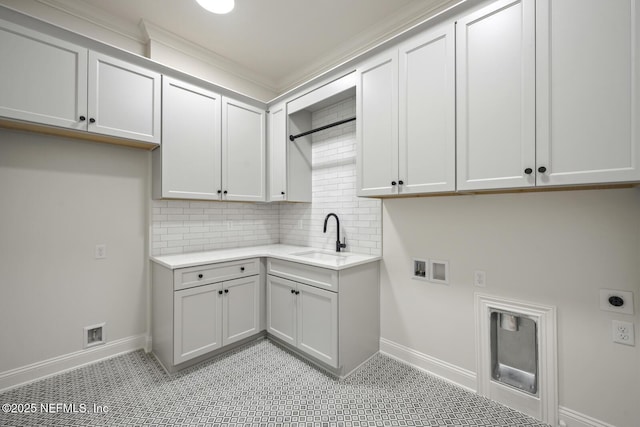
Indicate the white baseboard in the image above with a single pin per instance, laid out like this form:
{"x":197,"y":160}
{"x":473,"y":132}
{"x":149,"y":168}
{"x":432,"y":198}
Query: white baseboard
{"x":56,"y":365}
{"x":451,"y":373}
{"x":571,"y":418}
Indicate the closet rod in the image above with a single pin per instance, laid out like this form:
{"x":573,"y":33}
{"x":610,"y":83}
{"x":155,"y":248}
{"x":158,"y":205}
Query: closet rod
{"x":293,"y":137}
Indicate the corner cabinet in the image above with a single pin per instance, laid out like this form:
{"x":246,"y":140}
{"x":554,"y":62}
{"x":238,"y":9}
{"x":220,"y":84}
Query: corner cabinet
{"x":50,"y":82}
{"x":205,"y":154}
{"x":198,"y":310}
{"x":406,"y":117}
{"x":330,"y":316}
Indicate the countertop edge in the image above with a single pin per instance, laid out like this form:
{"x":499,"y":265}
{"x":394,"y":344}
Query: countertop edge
{"x":223,"y":255}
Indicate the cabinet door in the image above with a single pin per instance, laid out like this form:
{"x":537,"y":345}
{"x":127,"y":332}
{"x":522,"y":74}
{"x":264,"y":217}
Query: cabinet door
{"x":318,"y":323}
{"x":377,"y":125}
{"x":277,"y":152}
{"x":243,"y":151}
{"x":124,"y":99}
{"x":191,"y":135}
{"x":281,"y":309}
{"x":496,"y":96}
{"x":197,"y":322}
{"x":427,"y":132}
{"x":241,"y":309}
{"x":44,"y":80}
{"x":588,"y":91}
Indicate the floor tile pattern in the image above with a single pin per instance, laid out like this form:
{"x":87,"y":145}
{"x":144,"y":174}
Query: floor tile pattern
{"x":259,"y":384}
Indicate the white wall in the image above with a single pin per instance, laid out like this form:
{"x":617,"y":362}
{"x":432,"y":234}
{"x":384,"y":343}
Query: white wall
{"x":555,"y":248}
{"x":58,"y":199}
{"x":334,"y":190}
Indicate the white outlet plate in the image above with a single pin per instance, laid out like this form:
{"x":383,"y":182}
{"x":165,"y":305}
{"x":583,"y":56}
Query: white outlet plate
{"x":101,"y":251}
{"x":480,"y":278}
{"x":627,"y":296}
{"x":623,"y":332}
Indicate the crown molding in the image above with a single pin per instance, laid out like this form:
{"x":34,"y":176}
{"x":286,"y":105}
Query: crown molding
{"x":167,"y":38}
{"x":394,"y":25}
{"x":97,"y":17}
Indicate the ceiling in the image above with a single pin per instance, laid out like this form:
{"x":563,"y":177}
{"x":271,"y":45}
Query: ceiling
{"x":281,"y":42}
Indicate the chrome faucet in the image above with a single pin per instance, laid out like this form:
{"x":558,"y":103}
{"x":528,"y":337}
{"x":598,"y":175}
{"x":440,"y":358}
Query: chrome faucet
{"x":338,"y":244}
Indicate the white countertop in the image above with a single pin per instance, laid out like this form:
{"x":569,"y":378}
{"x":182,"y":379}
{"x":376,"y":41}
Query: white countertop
{"x":318,"y":257}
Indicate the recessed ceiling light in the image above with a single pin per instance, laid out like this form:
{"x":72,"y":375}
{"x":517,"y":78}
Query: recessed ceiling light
{"x":217,"y":6}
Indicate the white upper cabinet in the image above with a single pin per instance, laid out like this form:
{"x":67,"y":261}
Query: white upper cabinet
{"x":213,"y":147}
{"x":187,"y":164}
{"x":588,"y":91}
{"x":406,"y":117}
{"x":377,"y":125}
{"x":496,"y":96}
{"x":277,"y":143}
{"x":243,"y":151}
{"x":427,"y":138}
{"x":124,"y":99}
{"x":44,"y":80}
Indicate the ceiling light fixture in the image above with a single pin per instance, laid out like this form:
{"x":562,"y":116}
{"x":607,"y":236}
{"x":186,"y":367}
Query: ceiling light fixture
{"x":217,"y":6}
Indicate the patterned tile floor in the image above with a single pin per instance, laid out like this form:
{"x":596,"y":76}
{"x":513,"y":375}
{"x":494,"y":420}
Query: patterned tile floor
{"x":259,"y":384}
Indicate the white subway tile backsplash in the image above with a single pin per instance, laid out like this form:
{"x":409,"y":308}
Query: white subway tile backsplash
{"x":193,"y":226}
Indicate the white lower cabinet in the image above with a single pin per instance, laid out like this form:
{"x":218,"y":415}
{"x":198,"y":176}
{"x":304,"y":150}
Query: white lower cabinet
{"x":197,"y":320}
{"x":211,"y":316}
{"x":198,"y":310}
{"x":333,"y":318}
{"x":305,"y":317}
{"x":329,"y":316}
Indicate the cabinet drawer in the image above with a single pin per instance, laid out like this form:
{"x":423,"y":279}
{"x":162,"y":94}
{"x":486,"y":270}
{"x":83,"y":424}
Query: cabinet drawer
{"x":210,"y":273}
{"x":315,"y":276}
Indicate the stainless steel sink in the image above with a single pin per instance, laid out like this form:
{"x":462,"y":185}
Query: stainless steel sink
{"x":322,"y":255}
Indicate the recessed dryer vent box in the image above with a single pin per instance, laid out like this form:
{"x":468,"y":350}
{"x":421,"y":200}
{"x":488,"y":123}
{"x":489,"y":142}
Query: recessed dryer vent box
{"x":439,"y":271}
{"x":420,"y":269}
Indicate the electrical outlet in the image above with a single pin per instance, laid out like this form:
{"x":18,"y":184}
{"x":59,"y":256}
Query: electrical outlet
{"x":623,"y":332}
{"x":101,"y":251}
{"x":480,"y":278}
